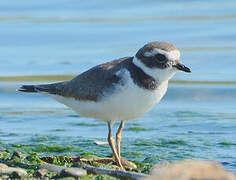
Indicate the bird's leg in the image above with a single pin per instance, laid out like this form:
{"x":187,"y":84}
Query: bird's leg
{"x":124,"y":162}
{"x":111,"y":143}
{"x":118,"y":137}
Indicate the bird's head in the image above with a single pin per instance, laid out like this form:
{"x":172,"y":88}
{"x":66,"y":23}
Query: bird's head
{"x":160,"y":60}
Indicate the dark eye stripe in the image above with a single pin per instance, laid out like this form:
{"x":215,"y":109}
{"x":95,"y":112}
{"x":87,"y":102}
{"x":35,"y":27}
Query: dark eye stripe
{"x":160,"y":57}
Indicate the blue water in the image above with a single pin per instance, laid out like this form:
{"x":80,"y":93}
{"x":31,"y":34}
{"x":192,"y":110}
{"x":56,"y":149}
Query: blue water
{"x":68,"y":37}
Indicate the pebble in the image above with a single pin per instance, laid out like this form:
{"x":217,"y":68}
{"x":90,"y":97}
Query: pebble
{"x":40,"y":173}
{"x":74,"y":172}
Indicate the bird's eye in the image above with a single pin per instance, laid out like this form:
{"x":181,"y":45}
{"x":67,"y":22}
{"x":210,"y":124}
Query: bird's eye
{"x":160,"y":57}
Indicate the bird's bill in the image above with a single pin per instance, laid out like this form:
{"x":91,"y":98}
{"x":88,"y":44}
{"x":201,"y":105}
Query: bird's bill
{"x":182,"y":67}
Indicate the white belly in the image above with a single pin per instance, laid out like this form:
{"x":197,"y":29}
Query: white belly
{"x":126,"y":103}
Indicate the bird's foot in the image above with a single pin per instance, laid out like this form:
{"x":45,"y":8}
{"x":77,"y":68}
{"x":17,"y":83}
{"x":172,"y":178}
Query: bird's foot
{"x":105,"y":160}
{"x":127,"y":163}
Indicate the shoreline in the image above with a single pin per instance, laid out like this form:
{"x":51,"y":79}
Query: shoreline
{"x":48,"y":78}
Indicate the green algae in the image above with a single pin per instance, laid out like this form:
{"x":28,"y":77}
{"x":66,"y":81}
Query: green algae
{"x":143,"y":143}
{"x":87,"y":124}
{"x":47,"y":138}
{"x":43,"y":148}
{"x":227,"y":144}
{"x":151,"y":159}
{"x":87,"y":154}
{"x":52,"y":148}
{"x":59,"y":130}
{"x":134,"y":154}
{"x":160,"y":142}
{"x":173,"y":142}
{"x":136,"y":128}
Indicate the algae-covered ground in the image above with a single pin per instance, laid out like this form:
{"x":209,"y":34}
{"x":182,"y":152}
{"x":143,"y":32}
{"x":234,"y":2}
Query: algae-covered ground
{"x":29,"y":158}
{"x":72,"y":151}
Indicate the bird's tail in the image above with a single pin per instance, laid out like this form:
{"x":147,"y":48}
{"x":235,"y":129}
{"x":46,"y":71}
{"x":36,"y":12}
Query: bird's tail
{"x":55,"y":88}
{"x":28,"y":88}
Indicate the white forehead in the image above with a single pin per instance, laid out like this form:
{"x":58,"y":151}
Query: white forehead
{"x":171,"y":55}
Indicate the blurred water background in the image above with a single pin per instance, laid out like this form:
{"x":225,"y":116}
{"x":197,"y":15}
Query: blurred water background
{"x":196,"y":118}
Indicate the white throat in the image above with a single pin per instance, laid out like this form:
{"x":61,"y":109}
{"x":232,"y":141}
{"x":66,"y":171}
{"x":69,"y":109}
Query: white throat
{"x":158,"y":74}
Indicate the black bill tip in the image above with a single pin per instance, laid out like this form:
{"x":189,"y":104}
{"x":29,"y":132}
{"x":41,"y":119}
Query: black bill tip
{"x":182,"y":67}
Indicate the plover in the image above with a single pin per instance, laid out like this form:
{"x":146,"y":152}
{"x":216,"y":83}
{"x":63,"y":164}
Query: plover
{"x":119,"y":90}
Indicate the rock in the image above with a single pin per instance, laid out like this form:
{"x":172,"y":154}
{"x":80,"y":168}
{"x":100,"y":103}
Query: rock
{"x":51,"y":167}
{"x":190,"y":169}
{"x":74,"y":172}
{"x":63,"y":171}
{"x":99,"y":143}
{"x":18,"y":154}
{"x":120,"y":174}
{"x":40,"y":173}
{"x":3,"y":165}
{"x":15,"y":172}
